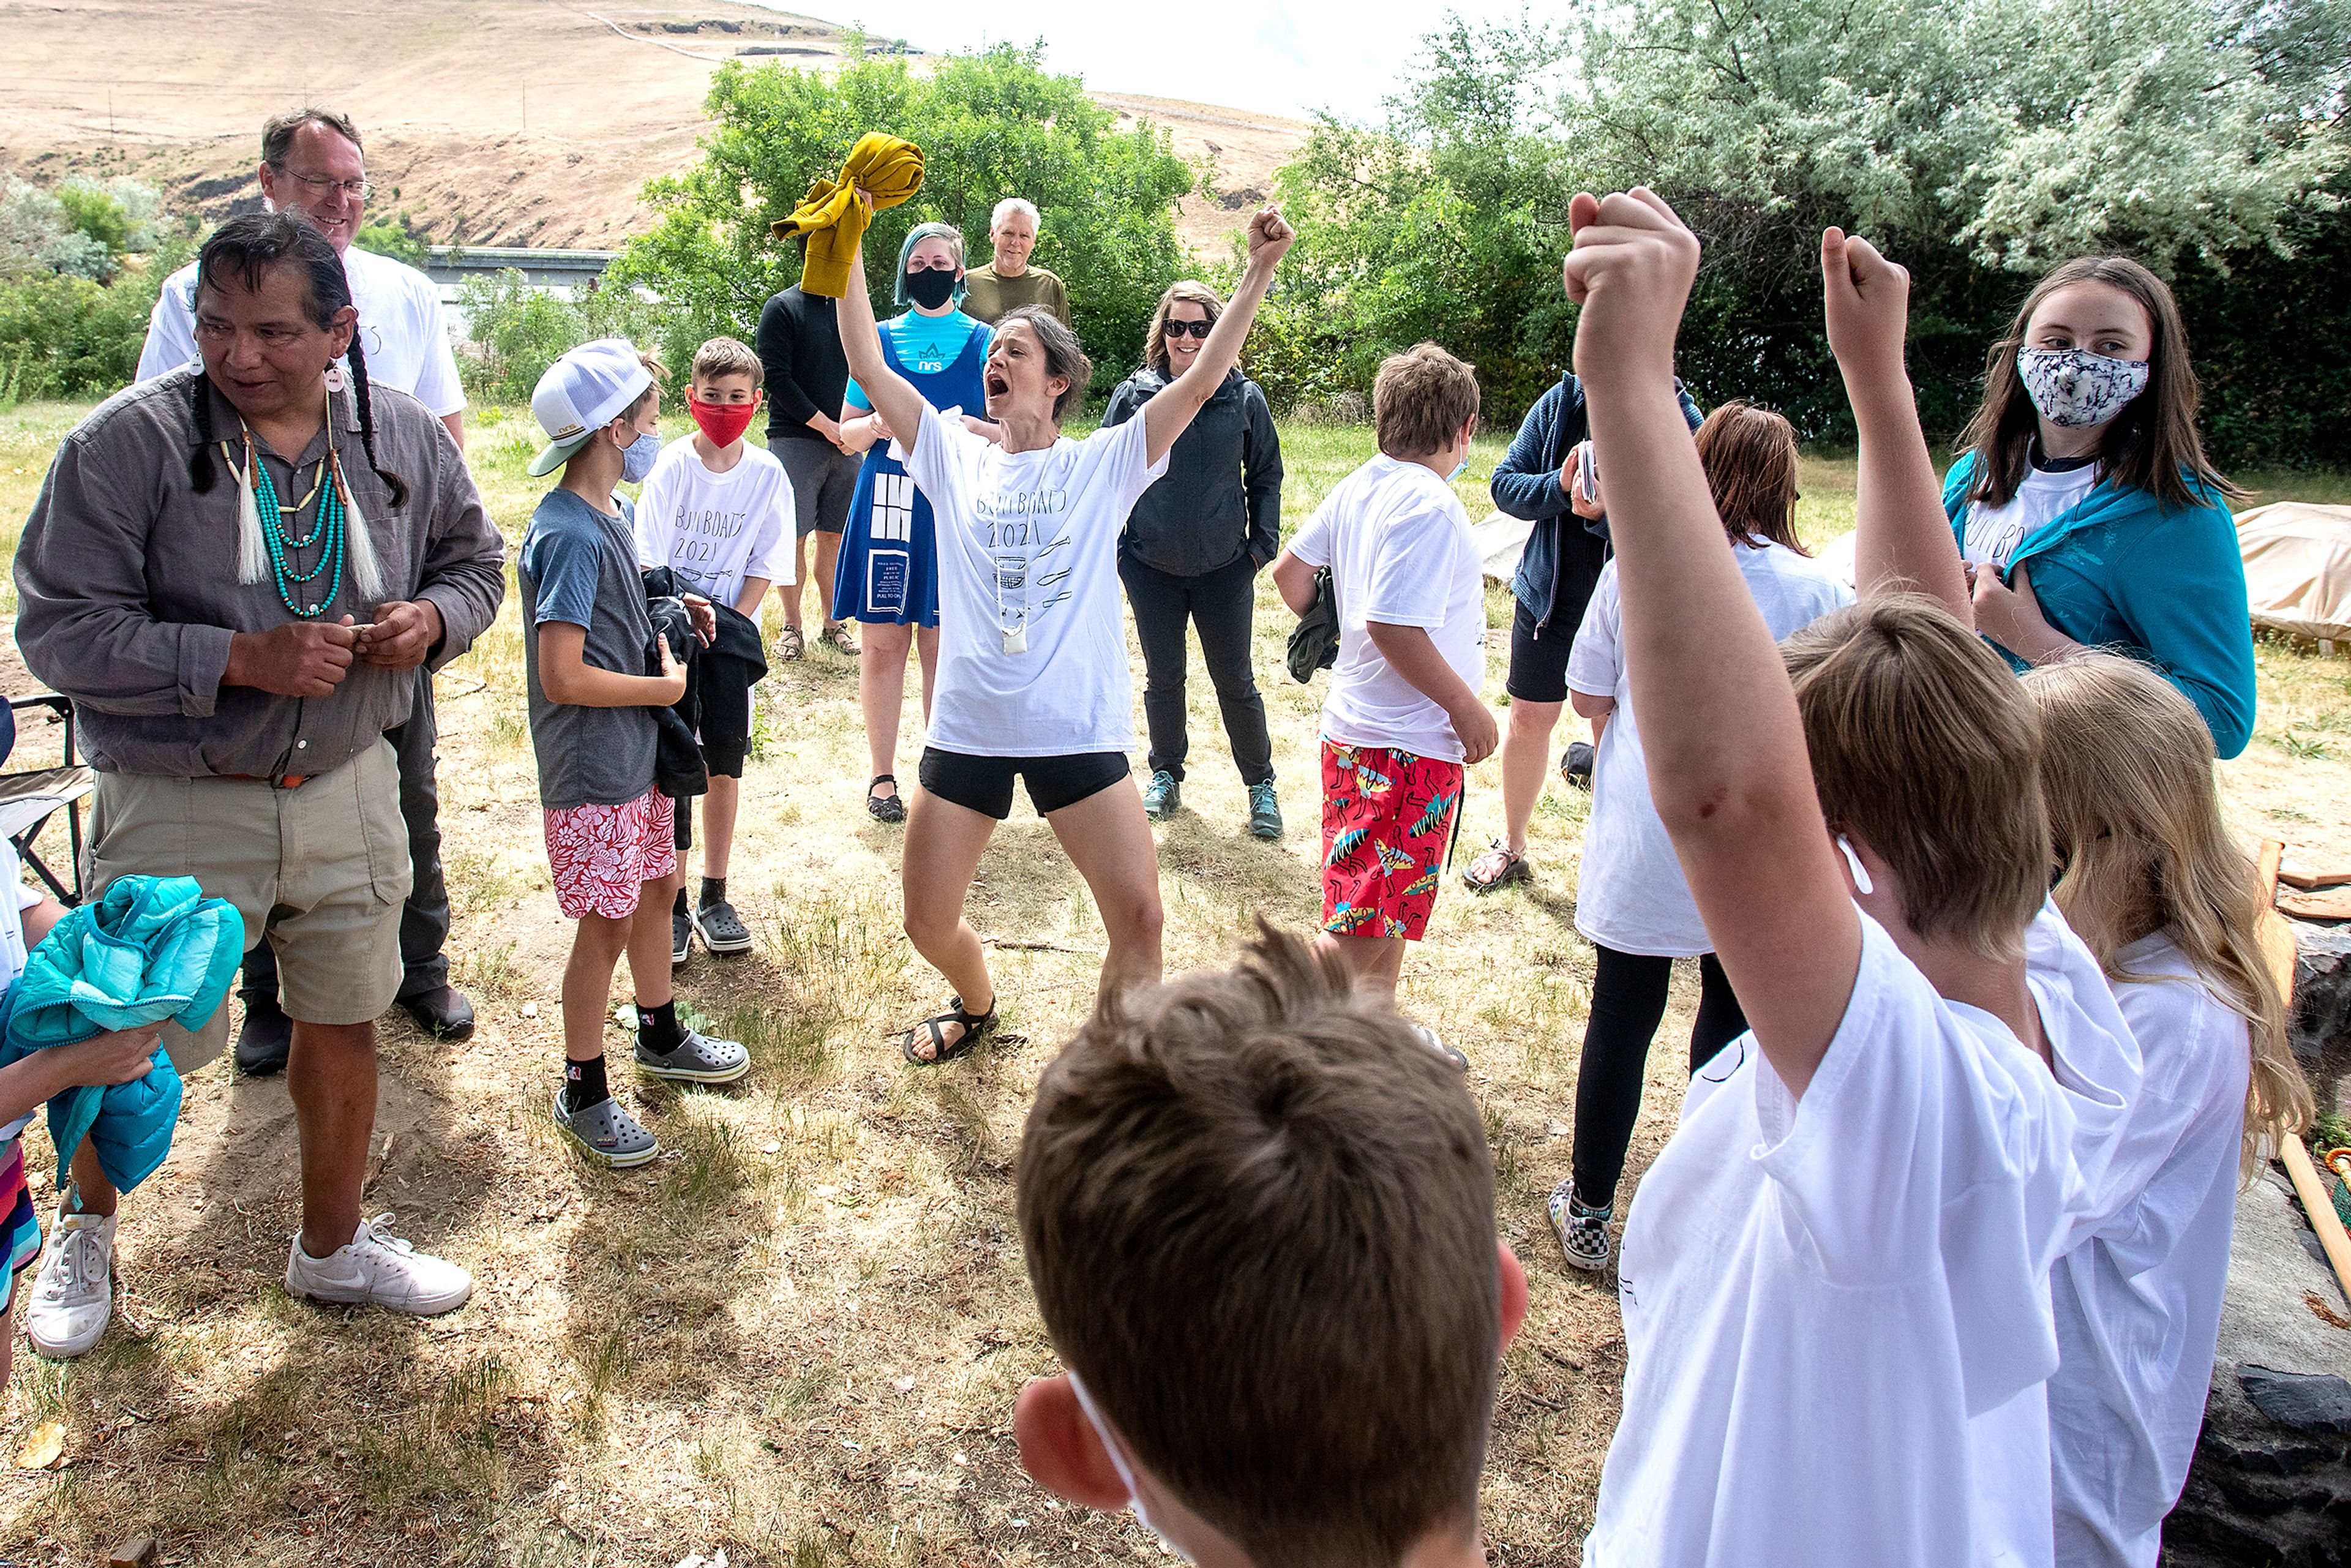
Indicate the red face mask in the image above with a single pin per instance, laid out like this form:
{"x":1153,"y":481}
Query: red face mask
{"x":723,"y":422}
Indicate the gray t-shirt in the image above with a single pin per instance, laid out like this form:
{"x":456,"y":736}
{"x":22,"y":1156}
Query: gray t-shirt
{"x":579,"y":565}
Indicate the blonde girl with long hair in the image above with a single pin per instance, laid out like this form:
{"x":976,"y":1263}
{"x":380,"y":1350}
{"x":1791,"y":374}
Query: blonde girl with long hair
{"x":2153,"y":884}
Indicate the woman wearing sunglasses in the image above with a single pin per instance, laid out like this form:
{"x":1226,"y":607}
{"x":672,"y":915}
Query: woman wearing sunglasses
{"x":1192,"y":551}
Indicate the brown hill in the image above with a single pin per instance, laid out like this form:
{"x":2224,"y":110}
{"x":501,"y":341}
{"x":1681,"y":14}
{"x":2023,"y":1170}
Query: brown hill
{"x":496,"y":121}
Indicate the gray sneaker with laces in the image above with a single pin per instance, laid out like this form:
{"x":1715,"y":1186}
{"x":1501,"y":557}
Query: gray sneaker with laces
{"x":698,"y":1059}
{"x":607,"y":1133}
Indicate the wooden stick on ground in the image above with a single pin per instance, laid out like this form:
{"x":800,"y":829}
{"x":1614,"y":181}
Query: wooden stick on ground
{"x":2278,"y":947}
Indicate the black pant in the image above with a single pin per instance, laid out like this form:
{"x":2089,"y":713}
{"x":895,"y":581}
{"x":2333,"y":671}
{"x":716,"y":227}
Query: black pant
{"x":1628,"y":1001}
{"x":425,"y":921}
{"x":1223,"y":604}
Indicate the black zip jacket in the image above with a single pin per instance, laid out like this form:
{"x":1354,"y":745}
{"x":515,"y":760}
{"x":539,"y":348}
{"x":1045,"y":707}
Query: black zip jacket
{"x":1222,"y":492}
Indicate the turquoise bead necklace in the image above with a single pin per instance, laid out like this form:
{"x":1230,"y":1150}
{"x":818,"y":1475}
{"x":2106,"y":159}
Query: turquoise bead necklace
{"x":329,"y":526}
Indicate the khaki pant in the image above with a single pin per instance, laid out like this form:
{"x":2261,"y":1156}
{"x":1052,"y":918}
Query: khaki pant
{"x":321,"y":870}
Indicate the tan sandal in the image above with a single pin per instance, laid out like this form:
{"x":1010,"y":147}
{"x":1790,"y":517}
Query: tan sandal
{"x":790,"y":644}
{"x":1497,"y":867}
{"x":836,"y":637}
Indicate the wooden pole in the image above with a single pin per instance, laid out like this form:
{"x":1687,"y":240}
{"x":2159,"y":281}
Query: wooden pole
{"x":2278,"y":949}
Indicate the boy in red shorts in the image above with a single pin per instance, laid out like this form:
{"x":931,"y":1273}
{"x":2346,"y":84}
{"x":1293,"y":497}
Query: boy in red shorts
{"x":1403,"y":716}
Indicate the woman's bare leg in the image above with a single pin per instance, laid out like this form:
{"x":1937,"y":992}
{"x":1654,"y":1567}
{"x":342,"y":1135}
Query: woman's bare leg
{"x":882,"y":691}
{"x":1108,"y":839}
{"x":944,"y":844}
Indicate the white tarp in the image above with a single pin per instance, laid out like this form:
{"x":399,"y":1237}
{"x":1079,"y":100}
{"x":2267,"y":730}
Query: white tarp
{"x":2298,"y":568}
{"x":1500,"y":539}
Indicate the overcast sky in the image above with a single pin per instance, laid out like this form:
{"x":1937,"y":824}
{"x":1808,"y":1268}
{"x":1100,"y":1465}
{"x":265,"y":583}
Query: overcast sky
{"x":1284,"y":56}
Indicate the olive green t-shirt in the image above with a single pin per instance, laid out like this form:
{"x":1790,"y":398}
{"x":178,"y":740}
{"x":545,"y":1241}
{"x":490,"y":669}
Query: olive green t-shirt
{"x":991,"y":296}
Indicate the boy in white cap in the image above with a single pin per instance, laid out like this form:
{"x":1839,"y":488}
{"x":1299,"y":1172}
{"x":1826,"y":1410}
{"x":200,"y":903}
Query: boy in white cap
{"x":610,"y":834}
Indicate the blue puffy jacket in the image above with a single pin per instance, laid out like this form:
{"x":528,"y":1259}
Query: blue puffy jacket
{"x":151,"y":949}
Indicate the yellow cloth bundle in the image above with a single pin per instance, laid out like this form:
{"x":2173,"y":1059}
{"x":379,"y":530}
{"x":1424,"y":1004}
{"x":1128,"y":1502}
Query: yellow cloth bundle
{"x":887,"y":168}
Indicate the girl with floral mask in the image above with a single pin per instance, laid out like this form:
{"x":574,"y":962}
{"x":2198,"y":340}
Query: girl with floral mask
{"x":2083,"y":503}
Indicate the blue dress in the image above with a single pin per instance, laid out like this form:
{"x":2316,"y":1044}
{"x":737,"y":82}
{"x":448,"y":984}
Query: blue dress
{"x":889,"y":565}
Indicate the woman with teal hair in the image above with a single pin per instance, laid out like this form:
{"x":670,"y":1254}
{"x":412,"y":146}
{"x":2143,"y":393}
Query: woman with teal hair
{"x":888,"y":575}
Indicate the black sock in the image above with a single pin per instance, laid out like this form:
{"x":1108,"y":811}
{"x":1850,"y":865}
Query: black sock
{"x":658,"y":1030}
{"x":713,"y":891}
{"x":583,"y":1083}
{"x":679,"y":907}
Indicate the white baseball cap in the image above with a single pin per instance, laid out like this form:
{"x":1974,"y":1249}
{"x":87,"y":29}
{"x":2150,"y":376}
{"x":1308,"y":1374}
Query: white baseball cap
{"x":586,"y":390}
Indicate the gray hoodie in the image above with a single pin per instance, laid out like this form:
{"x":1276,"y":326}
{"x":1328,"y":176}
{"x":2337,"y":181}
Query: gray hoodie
{"x":1222,"y":490}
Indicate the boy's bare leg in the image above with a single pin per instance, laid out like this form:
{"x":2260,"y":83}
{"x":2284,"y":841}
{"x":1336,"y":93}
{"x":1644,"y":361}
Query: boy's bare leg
{"x":1375,"y":962}
{"x":596,"y":948}
{"x":649,"y":943}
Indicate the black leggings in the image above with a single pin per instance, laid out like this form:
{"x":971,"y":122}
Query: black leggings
{"x":1628,"y":1002}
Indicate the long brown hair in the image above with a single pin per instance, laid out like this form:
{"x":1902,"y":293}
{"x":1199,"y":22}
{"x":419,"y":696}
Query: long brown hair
{"x":2150,"y":445}
{"x":1189,"y":291}
{"x":1749,"y":457}
{"x":2127,"y":769}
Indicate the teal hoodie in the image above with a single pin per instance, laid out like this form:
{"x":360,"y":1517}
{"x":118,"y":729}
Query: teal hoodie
{"x":2125,"y":572}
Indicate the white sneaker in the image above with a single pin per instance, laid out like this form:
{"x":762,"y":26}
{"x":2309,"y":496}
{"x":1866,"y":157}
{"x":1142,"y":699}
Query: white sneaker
{"x":379,"y":1269}
{"x":74,"y":1295}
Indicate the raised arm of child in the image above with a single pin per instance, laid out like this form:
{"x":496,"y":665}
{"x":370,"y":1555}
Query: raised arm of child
{"x":1167,"y":415}
{"x":566,"y":677}
{"x":1901,"y":540}
{"x":1728,"y":769}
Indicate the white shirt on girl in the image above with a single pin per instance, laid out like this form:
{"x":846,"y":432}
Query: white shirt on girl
{"x":1400,"y":552}
{"x":715,"y":529}
{"x":1630,"y":894}
{"x":1994,"y":532}
{"x":2138,"y":1305}
{"x":1027,"y":547}
{"x":1836,"y":1309}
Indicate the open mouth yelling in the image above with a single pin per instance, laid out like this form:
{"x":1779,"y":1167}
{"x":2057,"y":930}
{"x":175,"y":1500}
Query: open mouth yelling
{"x":996,"y":385}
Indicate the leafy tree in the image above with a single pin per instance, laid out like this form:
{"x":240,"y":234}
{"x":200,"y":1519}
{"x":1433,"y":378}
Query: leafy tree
{"x":990,"y":125}
{"x":516,"y":331}
{"x":396,"y":236}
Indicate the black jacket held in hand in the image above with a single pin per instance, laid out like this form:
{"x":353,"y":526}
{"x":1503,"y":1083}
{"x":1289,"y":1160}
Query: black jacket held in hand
{"x":1222,"y":492}
{"x":678,"y":771}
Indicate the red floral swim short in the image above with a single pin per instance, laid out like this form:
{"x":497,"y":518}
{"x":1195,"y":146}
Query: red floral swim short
{"x":603,"y":855}
{"x":1387,"y":817}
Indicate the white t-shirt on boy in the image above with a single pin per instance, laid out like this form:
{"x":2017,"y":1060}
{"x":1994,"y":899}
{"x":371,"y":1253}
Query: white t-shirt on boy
{"x":715,"y":529}
{"x":1028,"y":546}
{"x":1836,"y":1309}
{"x":1400,"y":553}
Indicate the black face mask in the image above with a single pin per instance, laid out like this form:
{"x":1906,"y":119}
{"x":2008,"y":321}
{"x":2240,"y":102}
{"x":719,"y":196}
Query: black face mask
{"x":930,"y":287}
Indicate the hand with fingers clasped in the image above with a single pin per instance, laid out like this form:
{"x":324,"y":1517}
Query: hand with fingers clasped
{"x":1866,"y":299}
{"x":403,"y":635}
{"x":299,"y":659}
{"x":1630,"y":271}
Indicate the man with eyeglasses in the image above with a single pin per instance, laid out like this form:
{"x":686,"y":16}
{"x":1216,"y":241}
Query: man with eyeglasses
{"x":312,"y":164}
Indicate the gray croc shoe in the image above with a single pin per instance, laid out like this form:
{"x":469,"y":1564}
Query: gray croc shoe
{"x":607,"y":1132}
{"x":698,"y":1059}
{"x":721,"y":929}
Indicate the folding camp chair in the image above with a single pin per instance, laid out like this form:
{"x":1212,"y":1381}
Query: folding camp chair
{"x":29,"y":799}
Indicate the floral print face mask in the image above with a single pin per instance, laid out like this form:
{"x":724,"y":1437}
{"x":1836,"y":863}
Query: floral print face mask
{"x":2074,"y":389}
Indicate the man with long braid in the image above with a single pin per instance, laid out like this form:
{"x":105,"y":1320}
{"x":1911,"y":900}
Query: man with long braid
{"x":312,"y":165}
{"x":234,"y":570}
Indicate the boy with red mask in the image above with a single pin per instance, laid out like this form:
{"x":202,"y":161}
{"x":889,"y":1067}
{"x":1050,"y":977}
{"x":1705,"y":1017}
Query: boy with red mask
{"x":717,"y":512}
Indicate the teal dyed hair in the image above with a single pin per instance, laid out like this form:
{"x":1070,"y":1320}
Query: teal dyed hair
{"x":916,"y":235}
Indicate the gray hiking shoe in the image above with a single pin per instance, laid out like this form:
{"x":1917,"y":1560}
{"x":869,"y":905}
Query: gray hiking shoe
{"x":1162,"y":796}
{"x":607,"y":1133}
{"x":721,"y":929}
{"x":698,"y":1059}
{"x":1265,"y":812}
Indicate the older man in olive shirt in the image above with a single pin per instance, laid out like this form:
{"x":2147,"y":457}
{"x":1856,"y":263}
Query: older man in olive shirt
{"x":236,"y":740}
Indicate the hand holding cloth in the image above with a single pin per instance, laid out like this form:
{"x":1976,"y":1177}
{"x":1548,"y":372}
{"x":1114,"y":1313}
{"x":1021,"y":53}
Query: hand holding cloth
{"x":885,"y":168}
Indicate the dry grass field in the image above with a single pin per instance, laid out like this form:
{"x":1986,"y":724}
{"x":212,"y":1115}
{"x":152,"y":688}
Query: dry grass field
{"x":796,"y":1339}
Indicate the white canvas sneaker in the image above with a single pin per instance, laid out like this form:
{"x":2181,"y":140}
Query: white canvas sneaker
{"x":379,"y":1269}
{"x":74,"y":1295}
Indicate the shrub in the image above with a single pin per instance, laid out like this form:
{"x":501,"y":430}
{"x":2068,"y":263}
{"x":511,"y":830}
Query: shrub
{"x":516,"y":331}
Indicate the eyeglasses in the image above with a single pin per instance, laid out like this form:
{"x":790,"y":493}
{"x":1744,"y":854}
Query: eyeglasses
{"x":357,"y":190}
{"x":1191,"y":329}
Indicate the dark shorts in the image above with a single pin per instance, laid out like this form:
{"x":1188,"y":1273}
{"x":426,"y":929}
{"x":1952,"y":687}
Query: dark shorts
{"x":823,"y":478}
{"x":1538,"y":663}
{"x":984,"y":784}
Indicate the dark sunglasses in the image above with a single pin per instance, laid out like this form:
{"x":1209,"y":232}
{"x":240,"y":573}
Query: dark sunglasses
{"x":1193,"y":329}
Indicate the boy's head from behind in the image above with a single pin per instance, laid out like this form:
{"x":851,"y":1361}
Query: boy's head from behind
{"x":1424,"y":401}
{"x":1926,"y":749}
{"x":1258,"y":1216}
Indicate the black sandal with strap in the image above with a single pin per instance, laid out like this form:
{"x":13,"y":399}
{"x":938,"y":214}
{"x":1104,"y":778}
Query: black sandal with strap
{"x":889,"y":808}
{"x":973,"y":1026}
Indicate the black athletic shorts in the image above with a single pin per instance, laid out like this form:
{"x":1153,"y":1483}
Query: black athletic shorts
{"x":1537,"y":664}
{"x":984,"y":784}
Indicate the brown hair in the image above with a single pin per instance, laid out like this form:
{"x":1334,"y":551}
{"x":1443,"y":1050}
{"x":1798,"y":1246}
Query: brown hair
{"x":2127,"y":770}
{"x":1749,"y":457}
{"x":1186,"y":292}
{"x":1420,"y":401}
{"x":277,"y":131}
{"x":660,"y":373}
{"x":1064,"y":356}
{"x":1923,"y":745}
{"x":728,"y":356}
{"x":1258,"y":1216}
{"x":2150,"y":445}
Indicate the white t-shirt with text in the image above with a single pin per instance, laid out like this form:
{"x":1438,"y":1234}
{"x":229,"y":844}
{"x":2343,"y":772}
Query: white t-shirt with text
{"x":1400,"y":552}
{"x":1836,"y":1309}
{"x":715,"y":529}
{"x":1028,"y":546}
{"x":403,"y":334}
{"x":1994,"y":532}
{"x":1630,"y":894}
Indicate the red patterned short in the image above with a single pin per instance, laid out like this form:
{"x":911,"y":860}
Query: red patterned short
{"x":603,"y":855}
{"x":1387,"y":816}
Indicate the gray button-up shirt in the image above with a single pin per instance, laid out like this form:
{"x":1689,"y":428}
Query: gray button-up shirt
{"x":128,"y":593}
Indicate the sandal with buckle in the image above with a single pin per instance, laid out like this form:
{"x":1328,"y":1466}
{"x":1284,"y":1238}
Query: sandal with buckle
{"x":889,"y":808}
{"x":973,"y":1026}
{"x":790,"y":644}
{"x":836,"y":637}
{"x":1483,"y":876}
